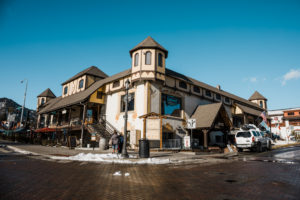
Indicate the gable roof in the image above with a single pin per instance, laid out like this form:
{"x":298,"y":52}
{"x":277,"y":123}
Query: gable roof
{"x":60,"y":102}
{"x":94,"y":71}
{"x":249,"y":110}
{"x":206,"y":115}
{"x":149,"y":42}
{"x":190,"y":80}
{"x":257,"y":96}
{"x":47,"y":93}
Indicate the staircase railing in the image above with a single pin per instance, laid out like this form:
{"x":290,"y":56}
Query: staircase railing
{"x":103,"y":128}
{"x":108,"y":126}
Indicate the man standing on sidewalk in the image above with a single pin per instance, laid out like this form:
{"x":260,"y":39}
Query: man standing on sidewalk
{"x":115,"y":142}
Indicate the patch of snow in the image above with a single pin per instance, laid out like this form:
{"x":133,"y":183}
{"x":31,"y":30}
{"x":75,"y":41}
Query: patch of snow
{"x":283,"y":142}
{"x":112,"y":158}
{"x":127,"y":174}
{"x":118,"y":173}
{"x":15,"y":149}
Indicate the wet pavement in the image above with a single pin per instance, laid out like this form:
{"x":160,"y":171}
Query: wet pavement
{"x":268,"y":175}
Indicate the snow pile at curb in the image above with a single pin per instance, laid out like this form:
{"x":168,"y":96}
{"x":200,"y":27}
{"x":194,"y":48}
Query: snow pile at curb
{"x":112,"y":158}
{"x":15,"y":149}
{"x":283,"y":142}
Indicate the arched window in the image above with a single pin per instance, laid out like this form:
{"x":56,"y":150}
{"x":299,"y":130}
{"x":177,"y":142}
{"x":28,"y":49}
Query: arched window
{"x":65,"y":90}
{"x":43,"y":101}
{"x":81,"y":84}
{"x":148,"y":58}
{"x":160,"y":60}
{"x":136,"y":59}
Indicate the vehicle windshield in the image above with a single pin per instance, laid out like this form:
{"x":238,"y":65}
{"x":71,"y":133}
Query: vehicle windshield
{"x":254,"y":133}
{"x":243,"y":134}
{"x":258,"y":133}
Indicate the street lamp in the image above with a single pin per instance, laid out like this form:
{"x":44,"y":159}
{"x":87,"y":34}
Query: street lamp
{"x":124,"y":149}
{"x":24,"y":101}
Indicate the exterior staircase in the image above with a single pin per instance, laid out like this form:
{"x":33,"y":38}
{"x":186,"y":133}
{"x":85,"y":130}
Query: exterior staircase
{"x":103,"y":128}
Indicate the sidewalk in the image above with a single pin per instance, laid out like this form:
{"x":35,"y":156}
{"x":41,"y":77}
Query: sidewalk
{"x":63,"y":153}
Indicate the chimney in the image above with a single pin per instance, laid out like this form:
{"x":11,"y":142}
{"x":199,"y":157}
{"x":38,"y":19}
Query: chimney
{"x":218,"y":87}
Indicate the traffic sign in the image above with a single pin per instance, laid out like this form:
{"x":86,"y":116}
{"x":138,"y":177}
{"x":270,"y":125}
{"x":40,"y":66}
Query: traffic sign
{"x":191,"y":123}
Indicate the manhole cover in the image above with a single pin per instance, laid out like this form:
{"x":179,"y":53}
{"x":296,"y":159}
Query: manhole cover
{"x":230,"y":181}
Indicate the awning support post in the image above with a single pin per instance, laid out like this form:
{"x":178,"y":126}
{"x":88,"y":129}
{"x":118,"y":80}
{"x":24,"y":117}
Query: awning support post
{"x":82,"y":125}
{"x":205,"y":138}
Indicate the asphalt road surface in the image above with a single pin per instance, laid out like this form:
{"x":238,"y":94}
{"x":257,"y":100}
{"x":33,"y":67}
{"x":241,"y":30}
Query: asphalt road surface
{"x":268,"y":175}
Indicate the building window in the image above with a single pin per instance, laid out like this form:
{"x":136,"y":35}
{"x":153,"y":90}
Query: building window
{"x":99,"y":95}
{"x":136,"y":59}
{"x":160,"y":60}
{"x":65,"y":90}
{"x":148,"y":58}
{"x":227,"y":100}
{"x":182,"y":85}
{"x":116,"y":84}
{"x":80,"y":84}
{"x":43,"y":101}
{"x":171,"y":105}
{"x":130,"y":102}
{"x":218,"y":96}
{"x":207,"y":93}
{"x":196,"y":89}
{"x":290,"y":113}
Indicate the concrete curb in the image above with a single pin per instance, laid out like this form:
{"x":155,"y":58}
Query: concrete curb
{"x":156,"y":160}
{"x":132,"y":160}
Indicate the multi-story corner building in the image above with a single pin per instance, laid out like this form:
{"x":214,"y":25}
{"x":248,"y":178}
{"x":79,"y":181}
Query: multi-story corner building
{"x":160,"y":103}
{"x":285,"y":121}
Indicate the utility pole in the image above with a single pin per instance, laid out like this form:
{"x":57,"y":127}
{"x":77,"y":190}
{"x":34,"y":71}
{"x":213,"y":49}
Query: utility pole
{"x":24,"y":101}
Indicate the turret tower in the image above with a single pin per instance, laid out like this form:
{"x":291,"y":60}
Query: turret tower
{"x":259,"y":100}
{"x":44,"y":97}
{"x":148,"y":61}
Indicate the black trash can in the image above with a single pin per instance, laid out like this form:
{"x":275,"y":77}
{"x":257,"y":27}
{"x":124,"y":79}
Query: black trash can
{"x":144,"y":150}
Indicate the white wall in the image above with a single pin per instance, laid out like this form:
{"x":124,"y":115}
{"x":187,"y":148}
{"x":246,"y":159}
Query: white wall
{"x":116,"y":117}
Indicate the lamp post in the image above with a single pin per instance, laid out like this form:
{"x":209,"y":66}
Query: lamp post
{"x":24,"y":101}
{"x":124,"y":149}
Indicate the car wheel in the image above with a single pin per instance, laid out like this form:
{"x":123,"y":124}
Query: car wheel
{"x":269,"y":146}
{"x":240,"y":149}
{"x":258,"y":147}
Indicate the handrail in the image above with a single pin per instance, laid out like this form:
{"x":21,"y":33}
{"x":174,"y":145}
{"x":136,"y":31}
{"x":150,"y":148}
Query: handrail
{"x":110,"y":126}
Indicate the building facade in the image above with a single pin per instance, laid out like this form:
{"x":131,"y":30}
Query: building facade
{"x":160,"y":103}
{"x":285,"y":121}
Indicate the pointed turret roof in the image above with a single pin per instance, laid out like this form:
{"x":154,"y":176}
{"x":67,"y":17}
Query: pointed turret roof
{"x":257,"y":96}
{"x":149,"y":42}
{"x":47,"y":93}
{"x":94,"y":71}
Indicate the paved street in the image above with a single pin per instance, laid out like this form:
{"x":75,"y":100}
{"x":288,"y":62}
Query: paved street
{"x":269,"y":175}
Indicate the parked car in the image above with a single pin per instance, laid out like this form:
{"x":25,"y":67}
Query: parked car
{"x":266,"y":139}
{"x":251,"y":139}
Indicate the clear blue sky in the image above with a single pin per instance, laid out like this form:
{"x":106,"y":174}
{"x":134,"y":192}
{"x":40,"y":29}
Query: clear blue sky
{"x":241,"y":45}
